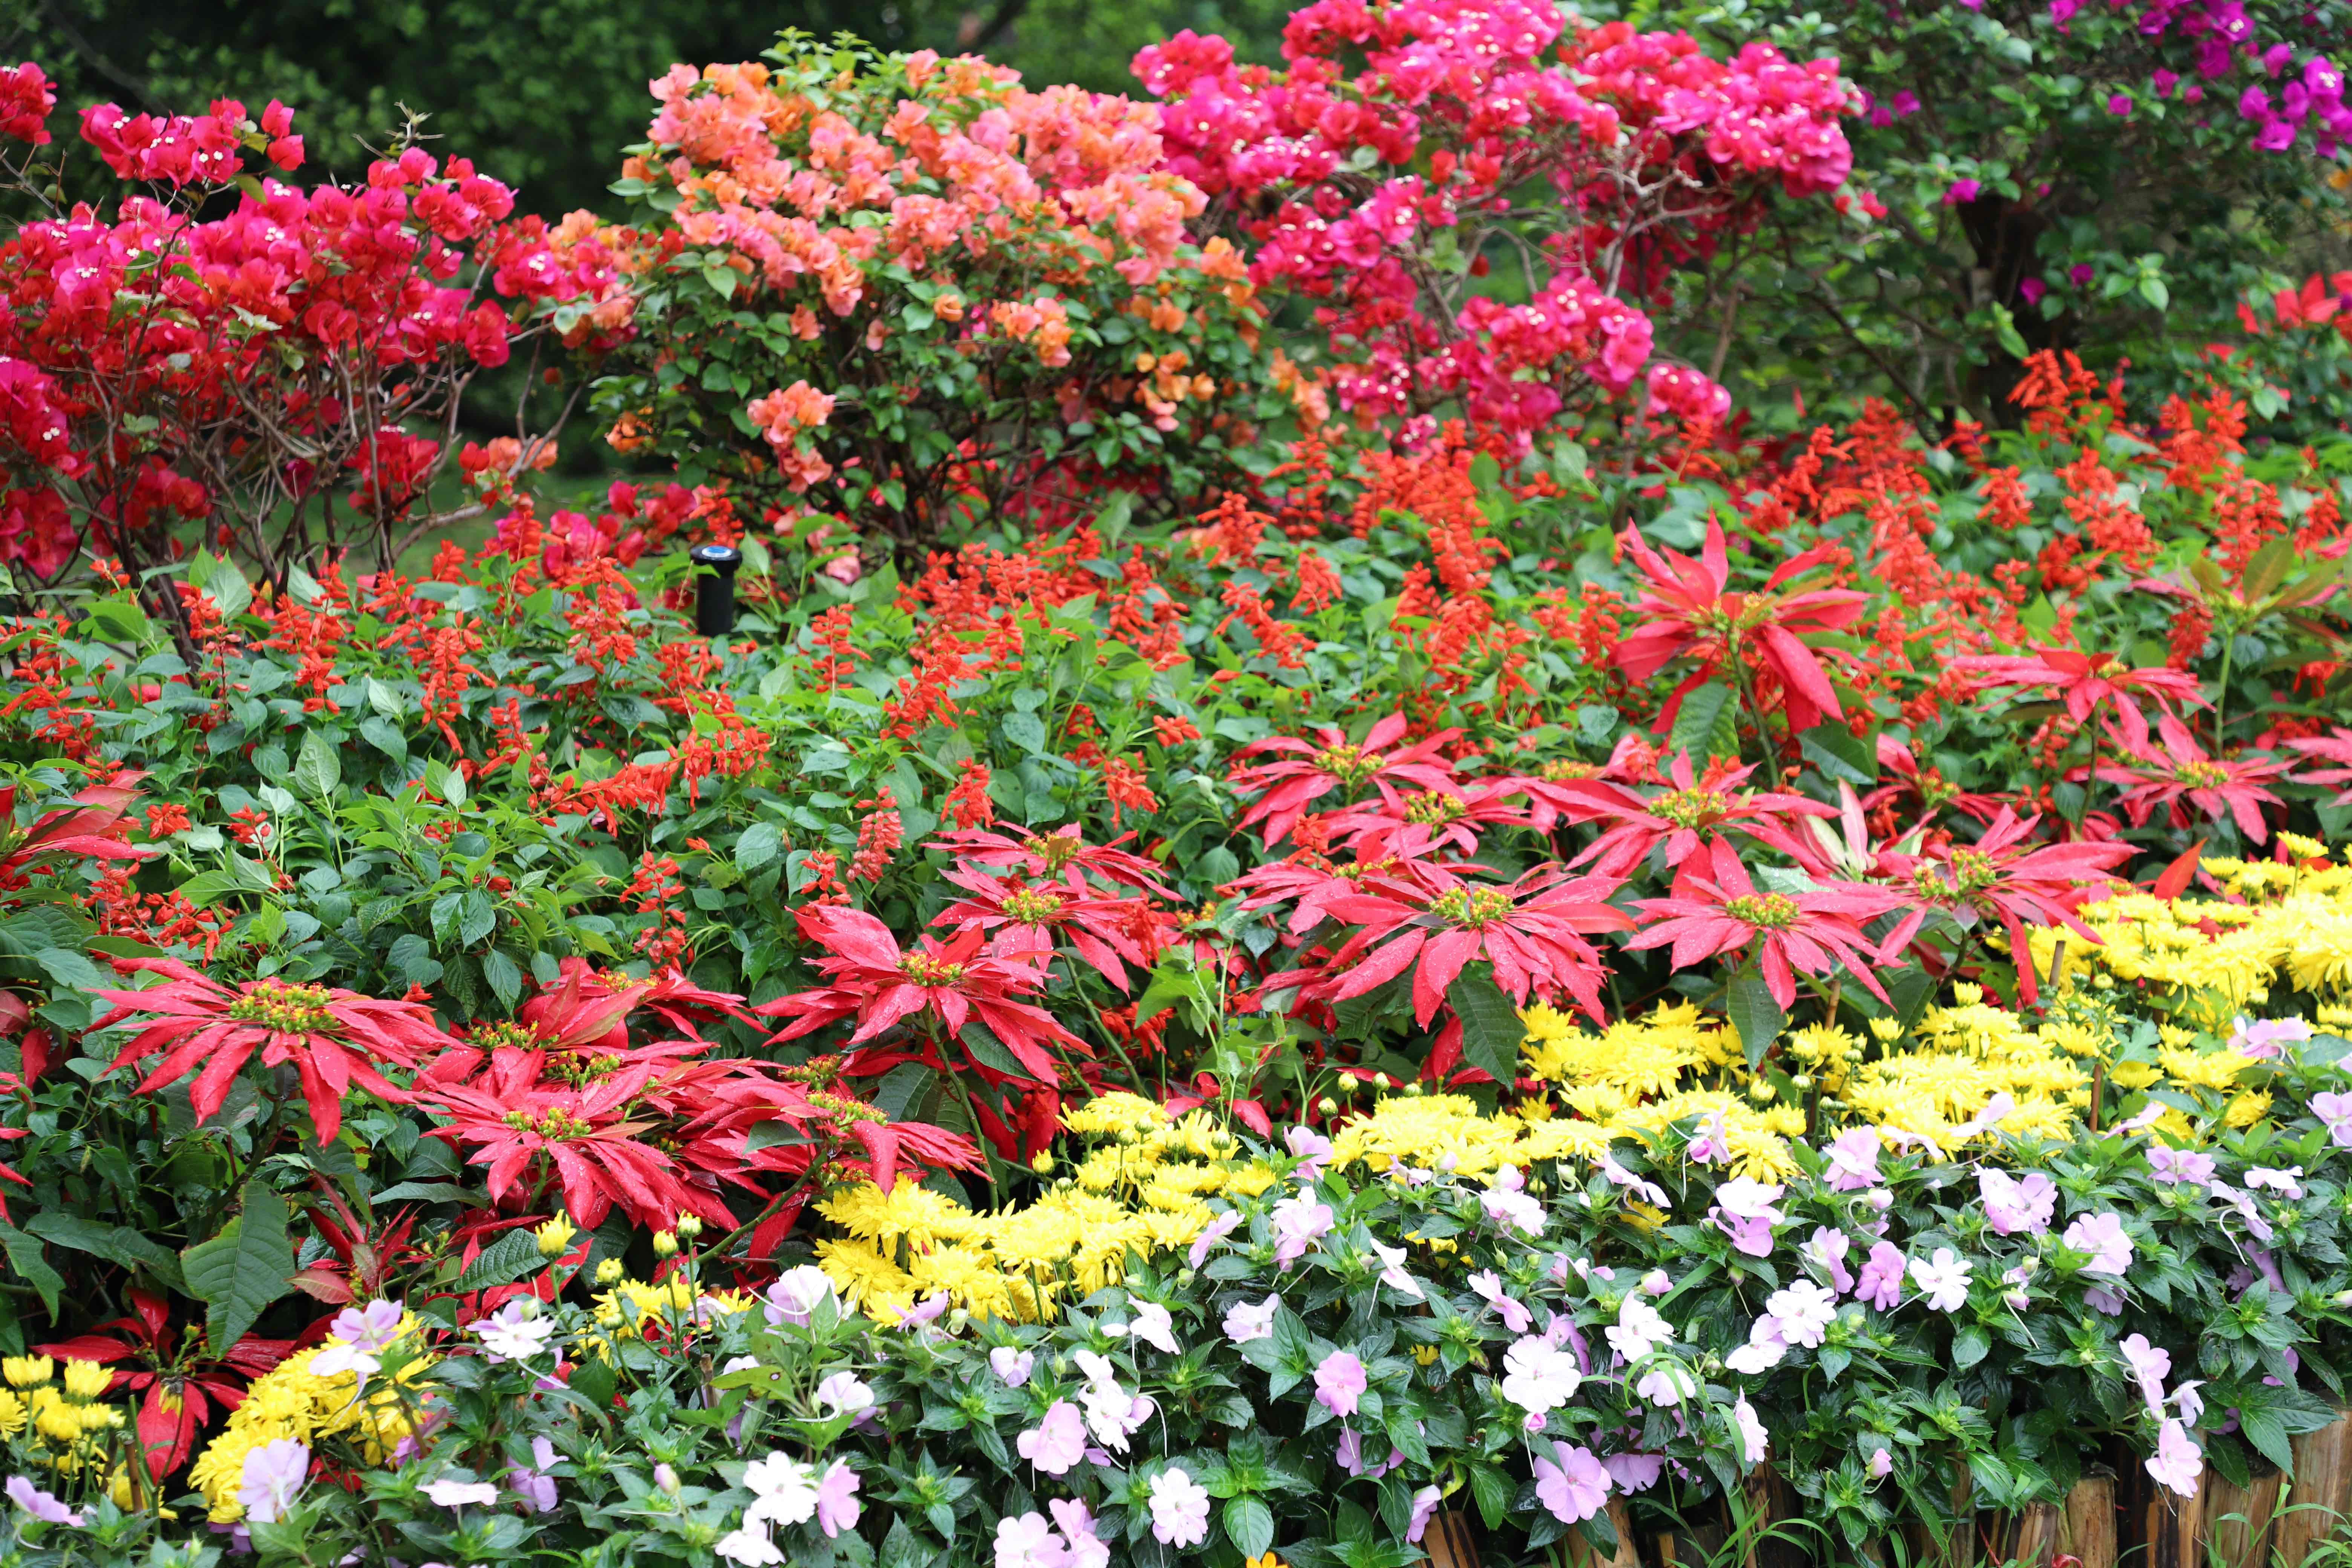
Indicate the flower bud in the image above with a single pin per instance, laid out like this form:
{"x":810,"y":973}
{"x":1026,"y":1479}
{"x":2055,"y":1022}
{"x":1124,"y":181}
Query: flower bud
{"x":608,"y":1273}
{"x":1043,"y":1163}
{"x":665,"y":1244}
{"x":555,"y":1236}
{"x":689,"y":1226}
{"x":1382,"y":1081}
{"x":666,"y":1479}
{"x":1328,"y":1106}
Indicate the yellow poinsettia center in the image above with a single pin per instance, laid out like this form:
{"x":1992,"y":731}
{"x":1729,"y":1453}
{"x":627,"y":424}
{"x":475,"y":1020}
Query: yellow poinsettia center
{"x":1767,"y":911}
{"x":1032,"y":906}
{"x":1434,"y":809}
{"x":1351,"y":765}
{"x":288,"y":1009}
{"x":925,"y":970}
{"x":1472,"y":909}
{"x":1690,"y":808}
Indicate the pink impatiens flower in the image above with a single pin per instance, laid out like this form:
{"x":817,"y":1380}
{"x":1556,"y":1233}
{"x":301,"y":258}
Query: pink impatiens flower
{"x":2179,"y":1463}
{"x":1573,"y":1484}
{"x":2102,"y":1236}
{"x":2013,"y":1203}
{"x":2149,"y":1367}
{"x":1339,"y":1382}
{"x":1055,"y":1443}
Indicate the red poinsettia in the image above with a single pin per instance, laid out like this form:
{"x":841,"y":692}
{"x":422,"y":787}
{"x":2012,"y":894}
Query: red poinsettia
{"x":1531,"y":930}
{"x":92,"y":828}
{"x":2006,"y":876}
{"x":1696,"y":614}
{"x":2175,"y":770}
{"x":2084,"y":681}
{"x":1022,"y":916}
{"x":176,"y":1374}
{"x":1046,"y":854}
{"x":1715,"y":908}
{"x":2336,"y":746}
{"x":587,"y":1140}
{"x":1309,"y":769}
{"x":588,"y":1011}
{"x":879,"y":983}
{"x":1448,"y":816}
{"x":332,"y":1038}
{"x":1683,"y":817}
{"x":1925,"y":782}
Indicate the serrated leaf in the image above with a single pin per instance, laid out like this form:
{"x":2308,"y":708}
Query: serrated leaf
{"x":512,"y":1256}
{"x":1840,"y":753}
{"x":1491,"y":1026}
{"x":244,"y":1268}
{"x":1703,"y":715}
{"x":1969,"y":1346}
{"x":758,"y":846}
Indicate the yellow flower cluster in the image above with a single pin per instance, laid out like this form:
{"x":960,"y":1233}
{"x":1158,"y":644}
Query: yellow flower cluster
{"x":1144,"y":1189}
{"x":2283,"y":925}
{"x":292,"y":1400}
{"x":62,"y":1412}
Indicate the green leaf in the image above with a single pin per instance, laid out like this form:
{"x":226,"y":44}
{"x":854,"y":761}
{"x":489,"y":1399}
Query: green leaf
{"x":1840,"y":753}
{"x":989,"y":1052}
{"x":1705,"y":713}
{"x":25,"y":1257}
{"x":1754,"y":1013}
{"x":1250,"y":1525}
{"x":242,"y":1269}
{"x":2153,"y":290}
{"x":446,"y":782}
{"x":317,"y":770}
{"x":1491,"y":1029}
{"x":1968,"y":1347}
{"x":116,"y":1244}
{"x":758,"y":845}
{"x":512,"y":1256}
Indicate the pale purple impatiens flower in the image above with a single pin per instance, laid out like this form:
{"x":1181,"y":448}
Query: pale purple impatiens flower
{"x":457,"y":1494}
{"x":2103,"y":1237}
{"x":2014,"y":1205}
{"x":2189,"y":1167}
{"x":1753,"y":1442}
{"x":2247,"y":1209}
{"x":531,"y":1482}
{"x":1665,"y":1385}
{"x":1086,"y":1549}
{"x":1058,"y":1442}
{"x":1803,"y":1312}
{"x":2149,"y":1367}
{"x":1424,"y":1509}
{"x":1713,"y":1142}
{"x":794,"y":1296}
{"x":1014,"y":1366}
{"x":1514,"y":1314}
{"x":1341,"y":1382}
{"x":845,"y":1393}
{"x":1224,"y":1226}
{"x":1393,"y":1274}
{"x":1853,"y":1160}
{"x":1645,"y":1190}
{"x":1028,"y":1540}
{"x":1744,"y":1211}
{"x":1828,"y":1247}
{"x":1245,"y":1321}
{"x":1765,"y":1348}
{"x":1882,"y":1463}
{"x":1180,"y":1508}
{"x":353,"y":1344}
{"x":271,"y":1478}
{"x":1311,"y":1148}
{"x":2179,"y":1463}
{"x":1298,"y":1221}
{"x":2334,"y":1113}
{"x":1572,"y":1483}
{"x":1881,"y":1284}
{"x":2268,"y":1038}
{"x":837,"y":1507}
{"x":1507,"y":1203}
{"x":931,"y":1309}
{"x":2287,"y":1184}
{"x":1635,"y":1472}
{"x":1943,"y":1279}
{"x":43,"y":1506}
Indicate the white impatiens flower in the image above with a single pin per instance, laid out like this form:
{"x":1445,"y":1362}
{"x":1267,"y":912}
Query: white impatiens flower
{"x":509,"y":1335}
{"x":1640,"y":1328}
{"x":783,"y":1491}
{"x":1393,"y":1274}
{"x":1155,"y":1326}
{"x":751,"y":1548}
{"x":1538,"y":1375}
{"x":455,"y":1494}
{"x":1803,"y":1311}
{"x":845,"y":1393}
{"x":1112,"y":1412}
{"x":1247,"y":1320}
{"x":1943,"y":1279}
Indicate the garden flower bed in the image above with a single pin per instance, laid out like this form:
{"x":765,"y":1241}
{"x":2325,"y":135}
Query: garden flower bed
{"x":1314,"y":909}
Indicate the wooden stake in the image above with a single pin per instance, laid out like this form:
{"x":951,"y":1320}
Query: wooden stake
{"x":2321,"y":1496}
{"x":1581,"y":1553}
{"x":1448,"y":1541}
{"x":2238,"y":1519}
{"x":2091,"y":1521}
